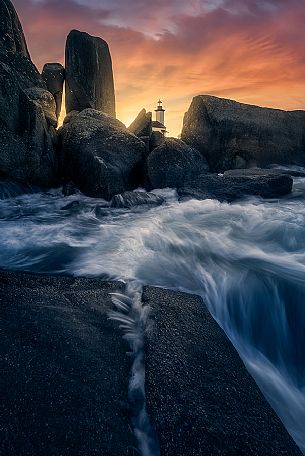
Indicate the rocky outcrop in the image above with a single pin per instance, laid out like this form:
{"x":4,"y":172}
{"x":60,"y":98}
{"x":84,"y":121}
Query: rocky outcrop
{"x":54,"y":77}
{"x":27,"y":110}
{"x":131,"y":199}
{"x":89,"y":77}
{"x":65,"y":371}
{"x":229,"y":188}
{"x":199,"y":394}
{"x":171,"y":163}
{"x":232,"y":135}
{"x":11,"y":34}
{"x":100,"y":155}
{"x":142,"y":125}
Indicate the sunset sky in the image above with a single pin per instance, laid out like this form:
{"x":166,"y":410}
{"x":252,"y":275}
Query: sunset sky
{"x":252,"y":51}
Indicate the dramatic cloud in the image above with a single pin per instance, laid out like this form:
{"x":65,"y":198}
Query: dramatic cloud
{"x":249,"y":50}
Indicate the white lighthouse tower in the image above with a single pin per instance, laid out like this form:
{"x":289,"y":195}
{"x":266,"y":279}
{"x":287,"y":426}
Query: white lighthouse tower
{"x":158,"y":124}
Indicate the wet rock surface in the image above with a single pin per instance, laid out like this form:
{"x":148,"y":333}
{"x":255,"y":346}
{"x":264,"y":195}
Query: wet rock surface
{"x":64,"y":369}
{"x":100,"y":155}
{"x":200,"y":396}
{"x":232,"y":187}
{"x":230,"y":134}
{"x":131,"y":199}
{"x":89,"y":77}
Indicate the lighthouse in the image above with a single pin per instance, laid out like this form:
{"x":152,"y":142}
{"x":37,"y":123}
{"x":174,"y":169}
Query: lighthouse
{"x":158,"y":124}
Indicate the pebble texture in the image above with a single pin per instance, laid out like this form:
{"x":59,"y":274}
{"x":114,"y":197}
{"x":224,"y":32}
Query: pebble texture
{"x":64,"y":369}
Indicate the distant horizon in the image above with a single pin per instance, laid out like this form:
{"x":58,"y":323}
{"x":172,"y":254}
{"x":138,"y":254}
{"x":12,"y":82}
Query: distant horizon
{"x":249,"y":51}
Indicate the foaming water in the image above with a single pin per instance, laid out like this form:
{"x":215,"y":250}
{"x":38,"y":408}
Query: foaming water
{"x":247,"y":261}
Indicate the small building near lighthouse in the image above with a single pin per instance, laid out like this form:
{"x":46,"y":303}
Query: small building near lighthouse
{"x":159,"y":123}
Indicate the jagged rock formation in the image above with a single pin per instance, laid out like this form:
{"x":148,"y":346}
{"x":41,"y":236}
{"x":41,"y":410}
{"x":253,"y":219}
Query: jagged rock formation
{"x":231,"y":134}
{"x":54,"y":77}
{"x":100,"y":155}
{"x":89,"y":77}
{"x":199,"y":394}
{"x":142,"y":125}
{"x":231,"y":187}
{"x":171,"y":163}
{"x":27,"y":112}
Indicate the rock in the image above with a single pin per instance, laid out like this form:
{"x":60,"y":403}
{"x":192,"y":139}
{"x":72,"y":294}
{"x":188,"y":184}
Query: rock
{"x":156,"y":139}
{"x":229,"y":188}
{"x":12,"y":189}
{"x":199,"y":394}
{"x":69,"y":189}
{"x":65,"y":372}
{"x":142,"y":125}
{"x":171,"y":163}
{"x":70,"y":116}
{"x":46,"y":100}
{"x":11,"y":34}
{"x":54,"y":77}
{"x":74,"y":206}
{"x":263,"y":172}
{"x":27,"y":115}
{"x":231,"y":134}
{"x":89,"y":77}
{"x":130,"y":199}
{"x":100,"y":155}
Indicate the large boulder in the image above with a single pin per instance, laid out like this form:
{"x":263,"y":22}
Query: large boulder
{"x":171,"y":163}
{"x":27,"y":110}
{"x":54,"y":77}
{"x":100,"y":155}
{"x":89,"y":77}
{"x":229,"y":188}
{"x":232,"y":135}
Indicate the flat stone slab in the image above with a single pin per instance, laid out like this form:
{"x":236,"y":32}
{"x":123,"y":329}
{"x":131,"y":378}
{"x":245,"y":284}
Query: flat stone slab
{"x":64,"y":369}
{"x":200,"y":396}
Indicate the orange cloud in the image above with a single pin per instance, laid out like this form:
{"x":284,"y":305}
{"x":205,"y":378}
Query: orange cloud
{"x":252,"y":51}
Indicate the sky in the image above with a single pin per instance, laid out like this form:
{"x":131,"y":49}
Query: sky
{"x":252,"y":51}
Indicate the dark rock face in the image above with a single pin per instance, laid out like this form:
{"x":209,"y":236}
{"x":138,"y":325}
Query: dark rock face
{"x":89,"y":77}
{"x":11,"y":34}
{"x":27,"y":110}
{"x":229,"y":188}
{"x":232,"y":135}
{"x":171,"y":163}
{"x":54,"y":77}
{"x":142,"y":125}
{"x":100,"y":155}
{"x":131,"y":199}
{"x":156,"y":139}
{"x":64,"y":367}
{"x":199,"y":394}
{"x":263,"y":172}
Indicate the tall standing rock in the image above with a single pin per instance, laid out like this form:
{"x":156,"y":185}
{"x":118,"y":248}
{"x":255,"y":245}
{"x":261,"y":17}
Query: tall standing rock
{"x":54,"y":77}
{"x":89,"y":76}
{"x":228,"y":133}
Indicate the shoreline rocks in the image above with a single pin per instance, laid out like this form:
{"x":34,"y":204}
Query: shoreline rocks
{"x":229,"y":188}
{"x":99,"y":155}
{"x":231,"y":134}
{"x":200,"y":396}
